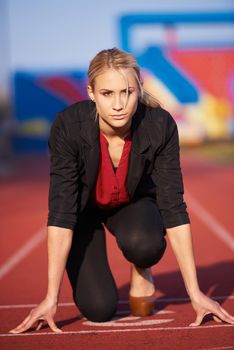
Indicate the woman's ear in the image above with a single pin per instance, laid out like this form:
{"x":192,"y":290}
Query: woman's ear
{"x":90,"y":93}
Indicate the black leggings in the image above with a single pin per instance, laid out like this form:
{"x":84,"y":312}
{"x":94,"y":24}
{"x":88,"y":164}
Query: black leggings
{"x":138,"y":230}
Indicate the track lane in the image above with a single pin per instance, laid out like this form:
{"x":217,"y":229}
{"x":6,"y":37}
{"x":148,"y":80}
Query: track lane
{"x":214,"y":262}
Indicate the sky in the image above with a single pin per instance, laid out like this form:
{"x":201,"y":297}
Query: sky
{"x":66,"y":34}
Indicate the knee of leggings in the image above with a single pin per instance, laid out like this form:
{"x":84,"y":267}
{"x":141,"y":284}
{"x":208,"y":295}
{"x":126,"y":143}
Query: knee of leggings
{"x":146,"y":254}
{"x":98,"y":310}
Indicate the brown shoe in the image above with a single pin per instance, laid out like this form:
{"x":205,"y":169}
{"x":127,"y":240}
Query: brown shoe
{"x":142,"y":306}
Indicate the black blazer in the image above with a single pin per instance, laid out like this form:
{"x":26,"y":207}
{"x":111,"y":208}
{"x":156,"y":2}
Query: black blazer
{"x":154,"y":164}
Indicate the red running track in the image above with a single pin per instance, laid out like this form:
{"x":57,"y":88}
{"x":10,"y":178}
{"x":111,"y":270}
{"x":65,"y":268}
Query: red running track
{"x":23,"y":267}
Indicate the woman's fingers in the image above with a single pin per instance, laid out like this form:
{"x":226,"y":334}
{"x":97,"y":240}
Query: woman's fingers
{"x":52,"y":325}
{"x":219,"y":314}
{"x":39,"y":325}
{"x":227,"y":314}
{"x":216,"y":319}
{"x":222,"y":314}
{"x":21,"y":325}
{"x":45,"y":311}
{"x":199,"y":319}
{"x":26,"y":324}
{"x":24,"y":327}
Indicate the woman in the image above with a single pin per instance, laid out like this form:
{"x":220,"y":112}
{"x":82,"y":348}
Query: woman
{"x":115,"y":165}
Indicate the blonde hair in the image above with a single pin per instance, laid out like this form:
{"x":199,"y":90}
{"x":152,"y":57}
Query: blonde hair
{"x":117,"y":59}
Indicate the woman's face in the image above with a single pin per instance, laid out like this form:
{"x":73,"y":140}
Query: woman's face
{"x":114,"y":106}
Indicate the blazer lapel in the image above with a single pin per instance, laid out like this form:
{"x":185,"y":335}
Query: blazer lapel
{"x":90,"y":147}
{"x":138,"y":156}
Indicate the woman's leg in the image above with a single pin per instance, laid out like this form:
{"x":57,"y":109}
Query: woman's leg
{"x":94,"y":289}
{"x":139,"y":232}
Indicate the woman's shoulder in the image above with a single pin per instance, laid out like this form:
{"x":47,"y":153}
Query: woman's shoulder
{"x":160,"y":125}
{"x":159,"y":116}
{"x":77,"y":112}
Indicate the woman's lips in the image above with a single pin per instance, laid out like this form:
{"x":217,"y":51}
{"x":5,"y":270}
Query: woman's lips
{"x":119,"y":116}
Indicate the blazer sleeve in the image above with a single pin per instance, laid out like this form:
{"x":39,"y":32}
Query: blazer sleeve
{"x":168,"y":179}
{"x":63,"y":188}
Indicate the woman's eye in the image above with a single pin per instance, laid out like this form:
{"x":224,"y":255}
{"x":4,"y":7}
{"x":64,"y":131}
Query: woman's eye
{"x":106,"y":94}
{"x":129,"y":92}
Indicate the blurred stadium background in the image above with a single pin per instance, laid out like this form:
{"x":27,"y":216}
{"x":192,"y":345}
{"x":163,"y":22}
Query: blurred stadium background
{"x":185,"y":49}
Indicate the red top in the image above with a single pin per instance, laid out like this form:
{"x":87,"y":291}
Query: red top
{"x":110,"y":190}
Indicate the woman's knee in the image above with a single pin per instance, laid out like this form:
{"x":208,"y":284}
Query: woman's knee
{"x":98,"y":310}
{"x":144,"y":253}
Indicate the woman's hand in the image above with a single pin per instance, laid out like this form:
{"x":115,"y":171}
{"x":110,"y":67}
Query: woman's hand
{"x":44,"y":312}
{"x":204,"y":305}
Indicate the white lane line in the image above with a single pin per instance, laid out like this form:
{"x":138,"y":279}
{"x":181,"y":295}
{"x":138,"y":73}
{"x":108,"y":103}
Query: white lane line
{"x":178,"y":300}
{"x":216,"y":227}
{"x":124,"y":324}
{"x":219,"y":348}
{"x":22,"y":252}
{"x":163,"y":300}
{"x":157,"y":312}
{"x":115,"y":330}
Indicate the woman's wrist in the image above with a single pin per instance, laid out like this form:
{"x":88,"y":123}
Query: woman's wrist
{"x":52,"y":298}
{"x":194,"y":294}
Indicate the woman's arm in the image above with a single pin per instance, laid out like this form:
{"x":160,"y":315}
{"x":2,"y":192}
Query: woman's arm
{"x":168,"y":179}
{"x":59,"y":243}
{"x":181,"y":242}
{"x":180,"y":238}
{"x":63,"y":206}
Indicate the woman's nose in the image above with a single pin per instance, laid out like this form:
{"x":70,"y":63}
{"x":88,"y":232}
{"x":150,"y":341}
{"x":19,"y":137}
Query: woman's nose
{"x":117,"y":103}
